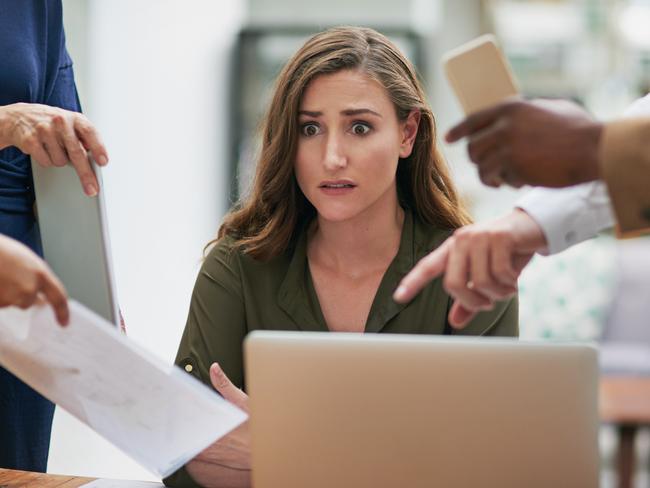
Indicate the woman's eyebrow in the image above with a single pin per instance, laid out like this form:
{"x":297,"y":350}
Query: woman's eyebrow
{"x":359,"y":111}
{"x":347,"y":112}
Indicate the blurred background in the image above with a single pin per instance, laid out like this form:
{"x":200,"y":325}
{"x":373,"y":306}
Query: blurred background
{"x":178,"y":88}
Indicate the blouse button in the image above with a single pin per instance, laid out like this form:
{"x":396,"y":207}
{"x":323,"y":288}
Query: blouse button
{"x":189,"y":368}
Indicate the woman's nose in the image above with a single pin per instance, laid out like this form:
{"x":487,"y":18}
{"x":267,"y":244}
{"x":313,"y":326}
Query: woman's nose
{"x":335,"y":157}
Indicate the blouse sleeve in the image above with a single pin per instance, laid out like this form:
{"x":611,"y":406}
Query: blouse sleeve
{"x":215,"y":328}
{"x":216,"y":323}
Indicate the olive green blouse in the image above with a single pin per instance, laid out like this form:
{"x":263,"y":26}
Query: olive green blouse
{"x":235,"y":294}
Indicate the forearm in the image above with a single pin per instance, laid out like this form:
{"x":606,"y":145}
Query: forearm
{"x":225,"y":464}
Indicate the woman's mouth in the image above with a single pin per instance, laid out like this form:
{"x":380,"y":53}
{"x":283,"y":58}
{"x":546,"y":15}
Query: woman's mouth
{"x":336,"y":187}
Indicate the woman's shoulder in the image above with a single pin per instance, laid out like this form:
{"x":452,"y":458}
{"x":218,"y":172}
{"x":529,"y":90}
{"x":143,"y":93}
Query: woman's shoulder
{"x":223,"y":248}
{"x":229,"y":252}
{"x":221,"y":264}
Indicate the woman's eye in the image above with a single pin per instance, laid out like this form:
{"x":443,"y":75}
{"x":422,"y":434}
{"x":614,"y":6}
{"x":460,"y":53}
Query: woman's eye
{"x":360,"y":129}
{"x":309,"y":130}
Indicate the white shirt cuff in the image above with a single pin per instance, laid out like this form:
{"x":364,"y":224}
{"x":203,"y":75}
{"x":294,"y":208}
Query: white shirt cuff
{"x":571,"y":215}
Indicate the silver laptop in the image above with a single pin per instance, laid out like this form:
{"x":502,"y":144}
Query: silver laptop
{"x":75,"y":239}
{"x":359,"y":410}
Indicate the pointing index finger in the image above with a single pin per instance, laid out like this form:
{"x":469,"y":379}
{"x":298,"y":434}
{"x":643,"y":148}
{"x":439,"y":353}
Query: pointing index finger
{"x":428,"y":268}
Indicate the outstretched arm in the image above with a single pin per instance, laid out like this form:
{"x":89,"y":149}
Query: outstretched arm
{"x":480,"y":262}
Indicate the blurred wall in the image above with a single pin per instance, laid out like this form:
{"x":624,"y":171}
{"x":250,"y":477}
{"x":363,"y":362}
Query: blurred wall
{"x":153,"y":77}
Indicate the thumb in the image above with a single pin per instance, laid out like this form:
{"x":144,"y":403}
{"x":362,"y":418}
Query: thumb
{"x":224,"y":386}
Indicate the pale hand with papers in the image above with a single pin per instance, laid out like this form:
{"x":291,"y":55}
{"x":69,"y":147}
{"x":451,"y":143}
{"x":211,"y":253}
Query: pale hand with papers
{"x":151,"y":410}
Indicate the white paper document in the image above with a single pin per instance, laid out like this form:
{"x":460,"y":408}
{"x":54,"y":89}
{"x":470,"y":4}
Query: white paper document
{"x":153,"y":411}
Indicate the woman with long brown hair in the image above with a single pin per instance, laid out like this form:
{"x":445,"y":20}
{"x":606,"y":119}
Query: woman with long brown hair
{"x":350,"y":192}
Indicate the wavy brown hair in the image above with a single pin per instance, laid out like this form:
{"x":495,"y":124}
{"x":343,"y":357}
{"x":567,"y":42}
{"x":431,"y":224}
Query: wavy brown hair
{"x":266,"y":224}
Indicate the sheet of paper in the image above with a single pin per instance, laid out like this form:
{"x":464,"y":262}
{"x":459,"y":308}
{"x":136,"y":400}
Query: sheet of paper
{"x":121,"y":484}
{"x":153,"y":411}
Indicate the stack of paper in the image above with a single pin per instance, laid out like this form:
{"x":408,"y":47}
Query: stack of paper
{"x":154,"y":412}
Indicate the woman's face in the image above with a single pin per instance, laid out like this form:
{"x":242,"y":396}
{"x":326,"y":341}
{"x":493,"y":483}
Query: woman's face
{"x":349,"y":145}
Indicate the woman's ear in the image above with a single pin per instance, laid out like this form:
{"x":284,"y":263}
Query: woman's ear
{"x":409,"y":131}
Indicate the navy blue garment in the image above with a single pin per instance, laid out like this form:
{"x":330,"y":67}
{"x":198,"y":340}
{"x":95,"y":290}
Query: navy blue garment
{"x":34,"y":68}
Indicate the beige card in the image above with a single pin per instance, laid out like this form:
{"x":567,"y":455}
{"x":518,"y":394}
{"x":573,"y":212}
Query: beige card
{"x":479,"y":74}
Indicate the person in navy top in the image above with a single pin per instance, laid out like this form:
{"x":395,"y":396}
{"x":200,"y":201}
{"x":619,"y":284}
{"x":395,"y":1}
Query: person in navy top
{"x":38,"y":118}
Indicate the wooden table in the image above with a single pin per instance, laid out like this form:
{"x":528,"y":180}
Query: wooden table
{"x":625,"y":402}
{"x":23,"y":479}
{"x":14,"y":479}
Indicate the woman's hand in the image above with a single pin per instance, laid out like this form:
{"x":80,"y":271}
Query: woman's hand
{"x":226,"y":463}
{"x":230,"y":392}
{"x":53,"y":136}
{"x":25,"y":279}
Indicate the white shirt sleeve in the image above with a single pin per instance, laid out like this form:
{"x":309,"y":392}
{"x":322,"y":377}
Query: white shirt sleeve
{"x":571,"y":215}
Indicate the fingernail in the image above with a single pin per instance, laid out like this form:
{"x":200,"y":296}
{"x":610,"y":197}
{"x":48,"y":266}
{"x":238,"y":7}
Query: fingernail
{"x":102,"y":160}
{"x":90,"y":189}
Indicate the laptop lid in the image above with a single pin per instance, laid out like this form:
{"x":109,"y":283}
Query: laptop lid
{"x":359,"y":410}
{"x":75,"y":239}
